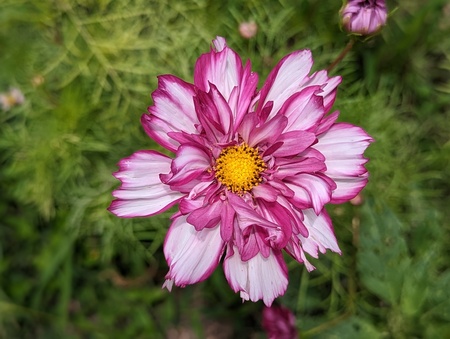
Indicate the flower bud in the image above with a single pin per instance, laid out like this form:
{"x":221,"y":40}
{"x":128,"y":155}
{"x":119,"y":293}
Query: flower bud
{"x":279,"y":323}
{"x":248,"y":29}
{"x":364,"y":17}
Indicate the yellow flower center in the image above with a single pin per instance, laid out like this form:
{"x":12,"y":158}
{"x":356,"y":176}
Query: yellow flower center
{"x":239,"y":168}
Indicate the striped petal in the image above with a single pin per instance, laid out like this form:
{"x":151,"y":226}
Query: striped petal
{"x":257,"y":278}
{"x":189,"y":164}
{"x":173,"y":111}
{"x":185,"y":249}
{"x":328,"y":87}
{"x":142,"y":193}
{"x":221,"y":67}
{"x":343,"y":146}
{"x":303,"y":110}
{"x":321,"y":234}
{"x":311,"y":190}
{"x":285,"y":80}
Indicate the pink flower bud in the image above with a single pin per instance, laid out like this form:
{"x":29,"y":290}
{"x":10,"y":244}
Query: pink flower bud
{"x":364,"y":17}
{"x":357,"y":200}
{"x":279,"y":323}
{"x":248,"y":29}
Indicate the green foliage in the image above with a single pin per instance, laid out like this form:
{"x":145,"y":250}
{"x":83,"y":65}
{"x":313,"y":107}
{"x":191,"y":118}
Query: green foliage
{"x":402,"y":280}
{"x":70,"y":269}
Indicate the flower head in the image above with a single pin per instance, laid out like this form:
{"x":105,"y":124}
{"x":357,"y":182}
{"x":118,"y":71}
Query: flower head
{"x":11,"y":98}
{"x":251,"y":172}
{"x":364,"y":16}
{"x":279,"y":323}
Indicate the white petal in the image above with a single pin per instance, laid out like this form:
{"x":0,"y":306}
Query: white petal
{"x":321,"y":234}
{"x":313,"y":189}
{"x":190,"y":158}
{"x":303,"y":109}
{"x":173,"y":111}
{"x":328,"y":85}
{"x":191,"y":255}
{"x":221,"y":67}
{"x":142,"y":193}
{"x":219,"y":43}
{"x":285,"y":79}
{"x":343,"y":146}
{"x":258,"y":278}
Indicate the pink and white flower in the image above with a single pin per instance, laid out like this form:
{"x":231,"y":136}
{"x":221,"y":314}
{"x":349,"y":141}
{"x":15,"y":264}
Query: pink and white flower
{"x":11,"y":98}
{"x":252,"y":170}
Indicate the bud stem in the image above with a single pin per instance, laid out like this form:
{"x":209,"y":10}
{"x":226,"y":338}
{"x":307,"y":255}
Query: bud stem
{"x":342,"y":55}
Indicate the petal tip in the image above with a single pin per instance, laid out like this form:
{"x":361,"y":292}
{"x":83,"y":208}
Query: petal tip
{"x":168,"y":284}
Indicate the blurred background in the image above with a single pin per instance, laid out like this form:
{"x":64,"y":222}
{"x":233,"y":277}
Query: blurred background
{"x":70,"y":269}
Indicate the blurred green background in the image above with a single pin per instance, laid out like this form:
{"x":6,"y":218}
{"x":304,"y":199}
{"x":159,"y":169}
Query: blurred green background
{"x":69,"y":269}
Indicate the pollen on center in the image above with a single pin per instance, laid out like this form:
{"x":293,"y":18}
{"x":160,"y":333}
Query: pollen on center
{"x":239,"y":168}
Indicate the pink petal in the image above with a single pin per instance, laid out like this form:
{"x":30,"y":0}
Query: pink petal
{"x":173,"y":111}
{"x":311,"y":190}
{"x":242,"y":95}
{"x":295,"y":249}
{"x":293,"y":143}
{"x":258,"y":278}
{"x":214,"y":115}
{"x":266,"y":192}
{"x":268,"y":132}
{"x":281,"y":188}
{"x":225,"y":115}
{"x":190,"y":162}
{"x":251,"y":245}
{"x":327,"y":122}
{"x":219,"y":43}
{"x":227,"y":221}
{"x":348,"y":188}
{"x":206,"y":216}
{"x":292,"y":166}
{"x":343,"y":146}
{"x":221,"y":67}
{"x":142,"y":193}
{"x":200,"y":189}
{"x":303,"y":109}
{"x":328,"y":86}
{"x":188,"y":205}
{"x":249,"y":123}
{"x":247,"y":216}
{"x":191,"y":255}
{"x":278,"y":214}
{"x":285,"y":79}
{"x":296,"y":216}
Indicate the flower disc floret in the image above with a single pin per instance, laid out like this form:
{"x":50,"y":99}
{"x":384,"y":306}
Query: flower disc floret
{"x":239,"y":168}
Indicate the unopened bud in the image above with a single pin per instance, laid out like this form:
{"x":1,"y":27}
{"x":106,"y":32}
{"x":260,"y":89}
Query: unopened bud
{"x":248,"y":29}
{"x":364,"y":17}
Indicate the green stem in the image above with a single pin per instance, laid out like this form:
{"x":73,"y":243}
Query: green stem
{"x":342,"y":55}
